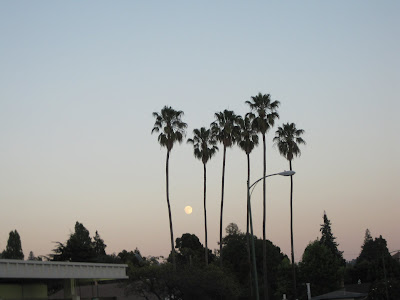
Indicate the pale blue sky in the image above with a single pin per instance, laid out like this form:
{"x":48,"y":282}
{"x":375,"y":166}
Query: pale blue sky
{"x":79,"y":81}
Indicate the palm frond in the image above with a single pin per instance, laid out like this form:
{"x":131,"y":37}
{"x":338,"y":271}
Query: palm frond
{"x":287,"y":139}
{"x":204,"y":142}
{"x":169,"y":122}
{"x":265,"y":111}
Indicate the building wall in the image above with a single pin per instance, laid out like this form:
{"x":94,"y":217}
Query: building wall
{"x":25,"y":291}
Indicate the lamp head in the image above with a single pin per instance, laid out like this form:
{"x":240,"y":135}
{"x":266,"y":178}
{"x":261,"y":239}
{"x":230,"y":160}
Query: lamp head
{"x":287,"y":173}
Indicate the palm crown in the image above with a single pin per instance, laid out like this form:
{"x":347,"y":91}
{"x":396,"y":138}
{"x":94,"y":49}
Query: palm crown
{"x":265,"y":110}
{"x":225,"y":127}
{"x":248,"y":137}
{"x":204,"y":144}
{"x":287,"y":139}
{"x":170,"y":124}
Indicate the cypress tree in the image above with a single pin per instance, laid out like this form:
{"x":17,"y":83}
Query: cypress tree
{"x":14,"y":248}
{"x":328,"y":240}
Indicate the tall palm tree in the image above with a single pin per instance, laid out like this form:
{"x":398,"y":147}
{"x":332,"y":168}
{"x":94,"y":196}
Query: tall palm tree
{"x":287,"y":139}
{"x":172,"y":129}
{"x":247,"y":140}
{"x":204,"y":146}
{"x":226,"y":130}
{"x":265,"y":114}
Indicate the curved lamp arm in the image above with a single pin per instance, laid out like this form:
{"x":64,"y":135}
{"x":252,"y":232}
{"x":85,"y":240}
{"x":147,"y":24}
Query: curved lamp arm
{"x":284,"y":173}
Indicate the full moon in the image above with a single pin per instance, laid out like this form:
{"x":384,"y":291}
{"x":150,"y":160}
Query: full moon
{"x":188,"y":210}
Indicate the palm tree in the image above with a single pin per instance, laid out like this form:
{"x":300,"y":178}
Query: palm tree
{"x":204,"y":146}
{"x":247,"y":140}
{"x":226,"y":130}
{"x":265,"y":115}
{"x":287,"y":139}
{"x":172,"y":129}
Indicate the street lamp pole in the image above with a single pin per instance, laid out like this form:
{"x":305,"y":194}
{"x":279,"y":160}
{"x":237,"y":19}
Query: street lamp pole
{"x":253,"y":249}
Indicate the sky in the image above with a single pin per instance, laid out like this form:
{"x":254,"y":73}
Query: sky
{"x":79,"y":82}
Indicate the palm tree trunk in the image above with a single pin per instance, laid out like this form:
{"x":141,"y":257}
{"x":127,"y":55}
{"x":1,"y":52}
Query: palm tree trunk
{"x":291,"y":234}
{"x":266,"y":296}
{"x":222,"y":206}
{"x":205,"y":212}
{"x":253,"y":248}
{"x":169,"y":213}
{"x":247,"y":227}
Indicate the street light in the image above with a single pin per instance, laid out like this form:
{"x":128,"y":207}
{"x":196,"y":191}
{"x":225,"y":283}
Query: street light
{"x":253,"y":254}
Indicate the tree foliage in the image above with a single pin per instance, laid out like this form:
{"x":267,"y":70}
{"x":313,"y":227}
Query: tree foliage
{"x":320,"y":267}
{"x":204,"y":145}
{"x":235,"y":260}
{"x":80,"y":247}
{"x":374,"y":260}
{"x":33,"y":257}
{"x":132,"y":258}
{"x":14,"y":248}
{"x":248,"y":135}
{"x":190,"y":251}
{"x":190,"y":283}
{"x":98,"y":245}
{"x":225,"y":128}
{"x":287,"y":139}
{"x":171,"y":129}
{"x":170,"y":126}
{"x":328,"y":240}
{"x":265,"y":111}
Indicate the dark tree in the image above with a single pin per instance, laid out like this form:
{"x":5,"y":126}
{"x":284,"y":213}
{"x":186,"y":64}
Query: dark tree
{"x":79,"y":247}
{"x":328,"y":240}
{"x":132,"y":258}
{"x":31,"y":256}
{"x":374,"y":262}
{"x":235,"y":259}
{"x":288,"y":138}
{"x":14,"y":248}
{"x":172,"y":129}
{"x":98,"y":245}
{"x":226,"y":130}
{"x":204,"y":145}
{"x":367,"y":237}
{"x":190,"y":283}
{"x":191,"y":251}
{"x":247,"y":141}
{"x":320,"y":267}
{"x":190,"y":241}
{"x":265,"y":115}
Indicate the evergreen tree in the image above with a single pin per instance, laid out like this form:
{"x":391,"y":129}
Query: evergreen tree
{"x":328,"y":240}
{"x":98,"y":245}
{"x":374,"y":261}
{"x":31,"y":256}
{"x":14,"y":248}
{"x":79,"y":247}
{"x":367,"y":237}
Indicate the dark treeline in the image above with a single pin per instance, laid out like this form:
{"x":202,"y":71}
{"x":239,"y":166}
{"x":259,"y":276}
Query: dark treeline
{"x":322,"y":265}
